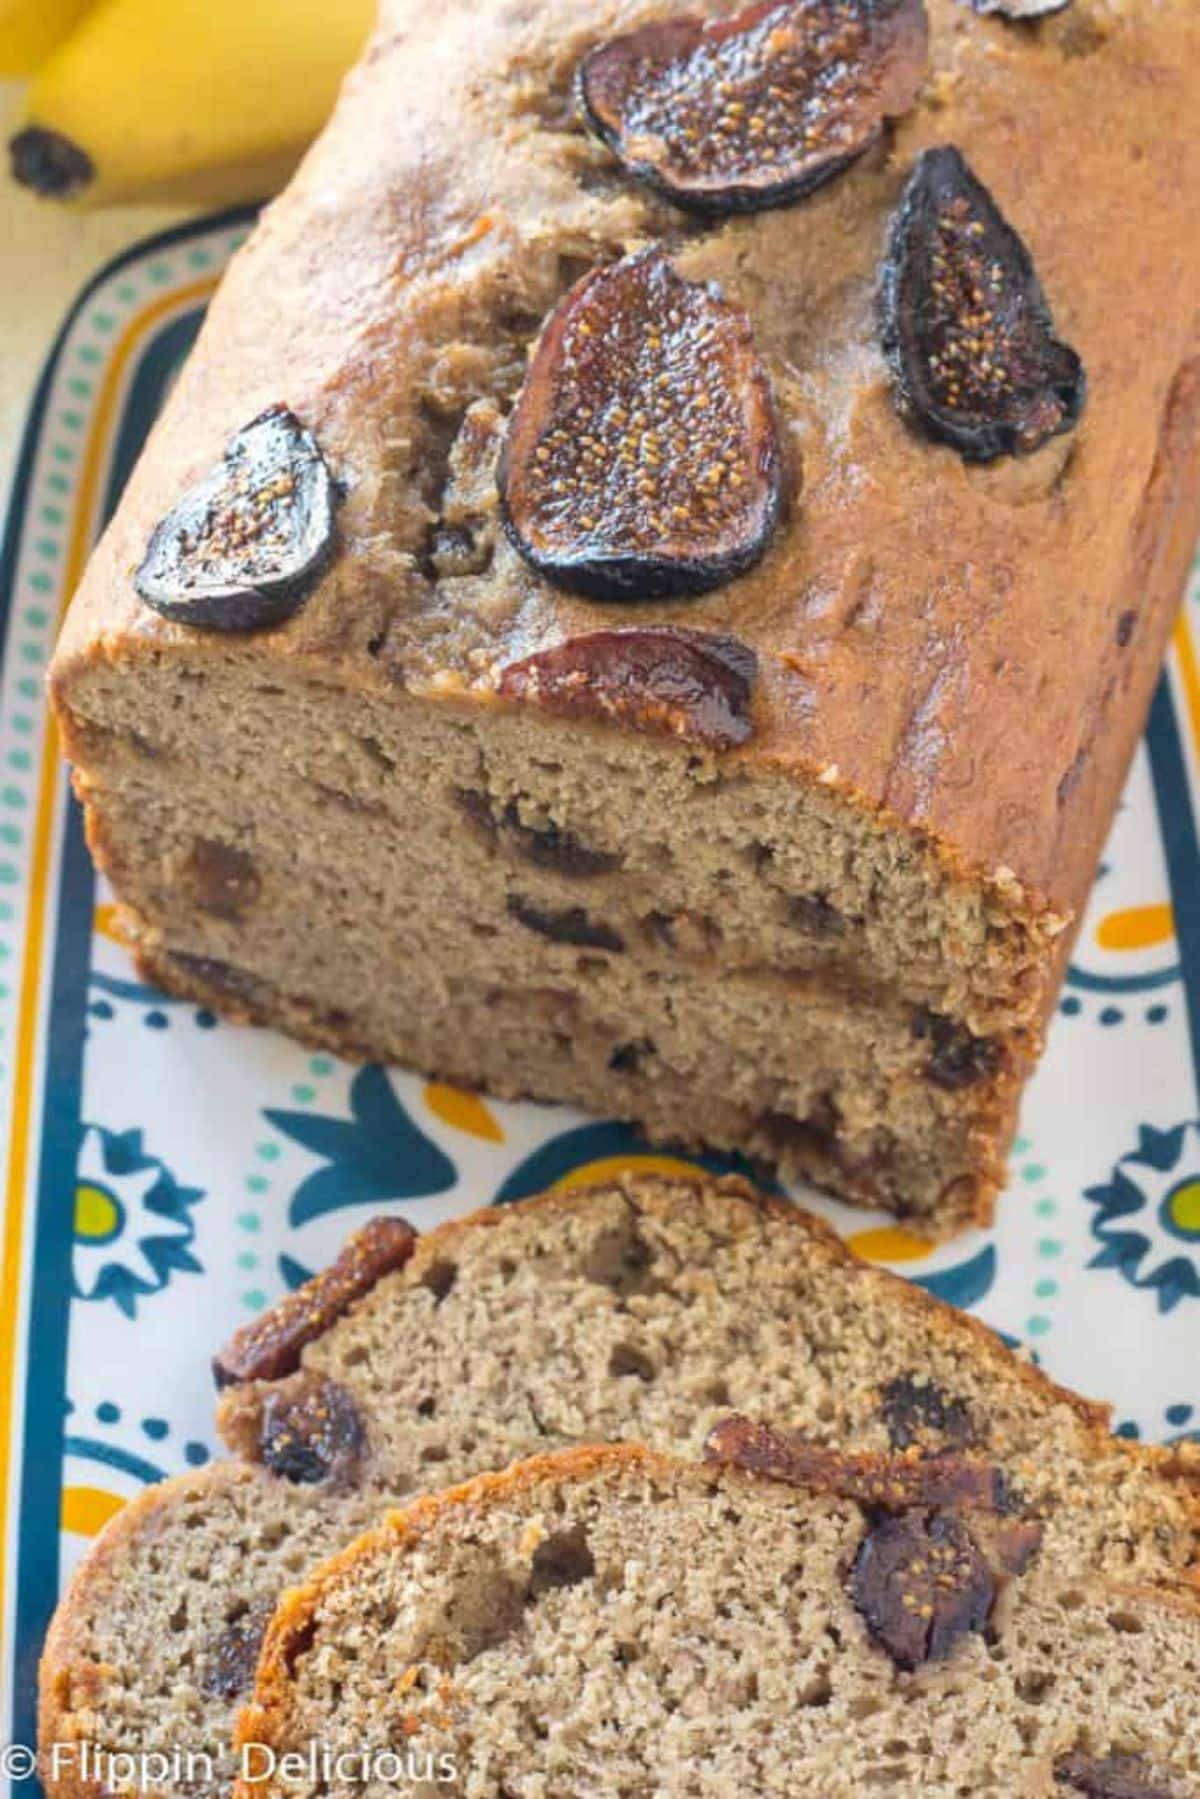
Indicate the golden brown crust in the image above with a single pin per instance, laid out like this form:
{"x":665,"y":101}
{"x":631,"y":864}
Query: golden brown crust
{"x":296,"y":1611}
{"x":66,"y":1674}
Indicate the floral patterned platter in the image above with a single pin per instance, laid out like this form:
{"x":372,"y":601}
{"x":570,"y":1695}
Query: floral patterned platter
{"x":168,"y":1175}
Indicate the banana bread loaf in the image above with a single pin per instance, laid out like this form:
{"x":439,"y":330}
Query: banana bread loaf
{"x":628,"y":603}
{"x":646,"y":1308}
{"x":609,"y":1621}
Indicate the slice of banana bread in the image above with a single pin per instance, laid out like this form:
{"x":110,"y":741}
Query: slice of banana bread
{"x":646,"y":1308}
{"x":611,"y":1621}
{"x":578,"y":631}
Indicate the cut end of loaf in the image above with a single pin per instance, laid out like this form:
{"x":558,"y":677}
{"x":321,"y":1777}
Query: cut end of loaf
{"x":562,"y":911}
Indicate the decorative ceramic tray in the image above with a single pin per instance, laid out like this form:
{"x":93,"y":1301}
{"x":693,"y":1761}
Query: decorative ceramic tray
{"x":168,"y":1174}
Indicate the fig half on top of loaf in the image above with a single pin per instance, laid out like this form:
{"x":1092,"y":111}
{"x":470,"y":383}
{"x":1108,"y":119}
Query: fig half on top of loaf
{"x":614,"y":1622}
{"x":646,"y":1308}
{"x":538,"y":648}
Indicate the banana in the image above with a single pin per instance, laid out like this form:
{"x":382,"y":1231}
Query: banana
{"x":29,"y":30}
{"x":209,"y":102}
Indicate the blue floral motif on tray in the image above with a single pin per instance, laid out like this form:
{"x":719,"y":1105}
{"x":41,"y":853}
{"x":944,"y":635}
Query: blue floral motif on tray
{"x":376,"y":1154}
{"x":133,"y":1222}
{"x":964,"y":1284}
{"x":1148,"y":1215}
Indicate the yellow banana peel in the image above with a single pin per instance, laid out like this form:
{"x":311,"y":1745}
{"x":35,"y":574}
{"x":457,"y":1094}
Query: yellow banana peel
{"x":210,"y":102}
{"x":30,"y":29}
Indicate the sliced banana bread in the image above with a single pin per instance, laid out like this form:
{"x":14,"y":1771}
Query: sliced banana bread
{"x":644,"y":1309}
{"x":612,"y":1621}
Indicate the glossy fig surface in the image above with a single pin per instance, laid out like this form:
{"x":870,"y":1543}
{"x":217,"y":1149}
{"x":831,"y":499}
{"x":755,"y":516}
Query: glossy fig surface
{"x":243,"y":546}
{"x":642,"y":459}
{"x":696,"y":685}
{"x":754,"y":111}
{"x":965,"y":324}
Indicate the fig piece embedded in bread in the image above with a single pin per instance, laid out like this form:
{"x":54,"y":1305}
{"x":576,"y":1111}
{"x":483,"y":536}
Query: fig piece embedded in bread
{"x":1110,"y":1777}
{"x":920,"y":1583}
{"x":241,"y":549}
{"x":887,"y":1483}
{"x":662,"y":679}
{"x":270,"y":1345}
{"x":642,"y":459}
{"x":965,"y":324}
{"x":754,"y":111}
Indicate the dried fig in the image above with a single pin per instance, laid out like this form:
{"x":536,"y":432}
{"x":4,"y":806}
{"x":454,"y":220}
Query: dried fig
{"x":887,"y":1483}
{"x":921,"y":1583}
{"x":754,"y":111}
{"x":642,"y":458}
{"x":220,"y":879}
{"x":548,"y":846}
{"x":228,"y":1669}
{"x":1108,"y":1777}
{"x":957,"y":1058}
{"x":310,"y":1431}
{"x":660,"y":679}
{"x":965,"y":324}
{"x":569,"y":925}
{"x":242,"y":548}
{"x":920,"y":1414}
{"x":269,"y":1347}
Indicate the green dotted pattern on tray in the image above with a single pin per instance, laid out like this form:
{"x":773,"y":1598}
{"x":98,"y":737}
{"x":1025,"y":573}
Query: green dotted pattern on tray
{"x":258,"y":1184}
{"x":39,"y":596}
